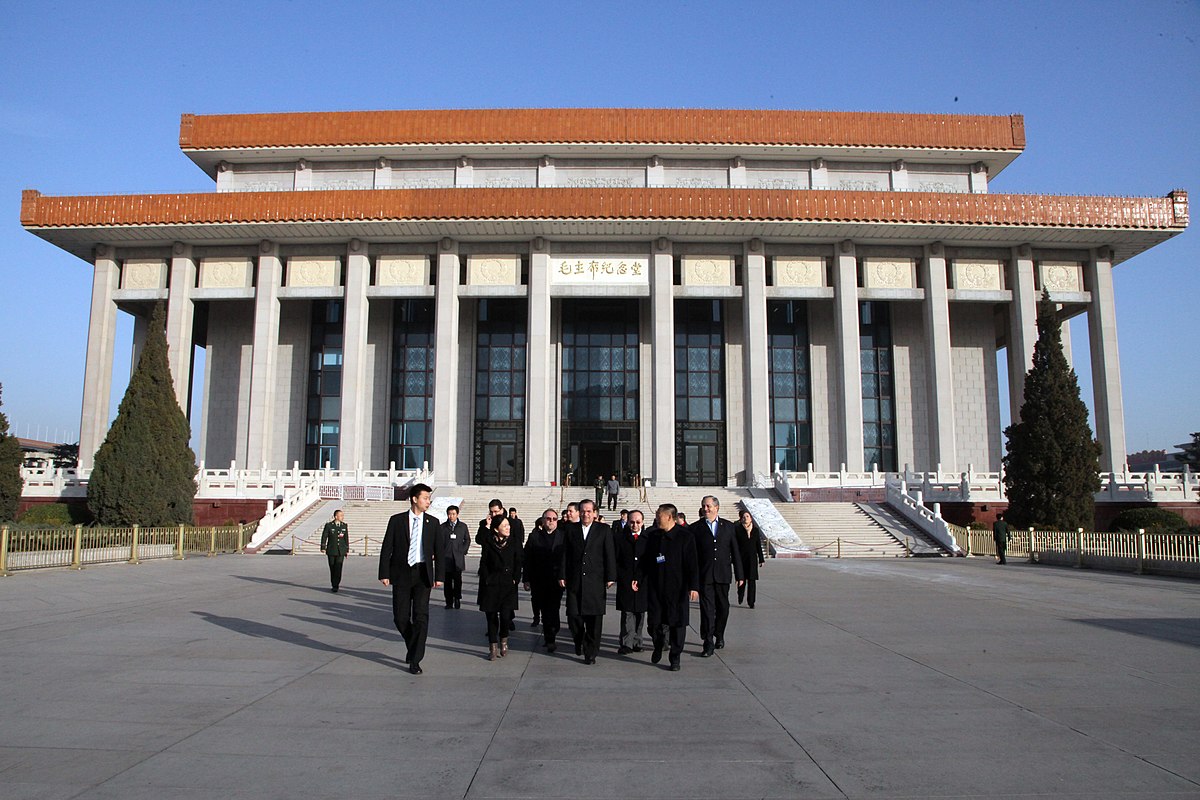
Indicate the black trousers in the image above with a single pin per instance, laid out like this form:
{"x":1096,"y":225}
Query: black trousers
{"x":586,"y":630}
{"x":665,"y":635}
{"x":612,"y":502}
{"x":631,"y":628}
{"x":546,"y":598}
{"x":498,"y":627}
{"x":410,"y":611}
{"x":746,"y":591}
{"x":335,"y":569}
{"x":714,"y":611}
{"x":453,"y":585}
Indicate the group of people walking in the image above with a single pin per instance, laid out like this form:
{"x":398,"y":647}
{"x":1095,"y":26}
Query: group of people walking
{"x":658,"y":571}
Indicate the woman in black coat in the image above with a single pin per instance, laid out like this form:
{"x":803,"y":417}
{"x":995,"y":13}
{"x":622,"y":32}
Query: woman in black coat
{"x":749,"y":542}
{"x":499,"y":573}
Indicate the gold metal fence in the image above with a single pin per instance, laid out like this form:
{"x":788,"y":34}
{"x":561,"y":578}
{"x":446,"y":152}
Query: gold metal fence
{"x":36,"y":548}
{"x":1136,"y":550}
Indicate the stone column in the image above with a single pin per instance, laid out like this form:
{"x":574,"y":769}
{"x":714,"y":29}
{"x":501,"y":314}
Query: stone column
{"x":1106,"y":364}
{"x":979,"y":178}
{"x":1064,"y":330}
{"x":1022,"y":330}
{"x":355,"y":403}
{"x":180,"y":315}
{"x":540,"y":402}
{"x":445,"y":375}
{"x":263,"y":370}
{"x":757,"y":385}
{"x":845,"y":312}
{"x":940,"y":394}
{"x":97,"y":372}
{"x":662,"y":322}
{"x":141,"y":327}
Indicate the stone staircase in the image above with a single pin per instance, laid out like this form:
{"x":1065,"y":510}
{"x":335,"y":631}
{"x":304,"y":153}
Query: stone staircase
{"x":840,"y":530}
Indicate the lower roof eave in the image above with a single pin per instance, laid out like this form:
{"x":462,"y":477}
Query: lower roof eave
{"x":81,"y":240}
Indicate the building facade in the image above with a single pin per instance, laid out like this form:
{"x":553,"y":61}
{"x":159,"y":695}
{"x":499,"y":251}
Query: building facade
{"x":692,"y":297}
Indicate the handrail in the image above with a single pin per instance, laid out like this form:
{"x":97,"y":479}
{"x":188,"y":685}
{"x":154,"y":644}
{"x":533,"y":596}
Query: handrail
{"x":911,"y":507}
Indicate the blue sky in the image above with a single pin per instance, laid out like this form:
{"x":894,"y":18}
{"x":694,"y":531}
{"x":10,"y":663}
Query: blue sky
{"x":91,"y":94}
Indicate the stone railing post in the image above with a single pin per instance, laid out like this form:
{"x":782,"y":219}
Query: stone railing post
{"x":179,"y":543}
{"x":133,"y":547}
{"x":212,"y":541}
{"x":241,"y":538}
{"x":1079,"y":547}
{"x":77,"y":549}
{"x":1141,"y":551}
{"x":4,"y":551}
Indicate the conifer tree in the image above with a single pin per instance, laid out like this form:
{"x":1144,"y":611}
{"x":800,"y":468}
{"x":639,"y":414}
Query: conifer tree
{"x":1052,"y":467}
{"x":144,"y":473}
{"x":11,"y":458}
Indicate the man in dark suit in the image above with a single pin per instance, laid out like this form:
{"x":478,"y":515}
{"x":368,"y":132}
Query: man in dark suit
{"x":669,"y":580}
{"x":719,"y":563}
{"x":410,"y":561}
{"x":589,"y":567}
{"x":456,"y":541}
{"x":630,"y":546}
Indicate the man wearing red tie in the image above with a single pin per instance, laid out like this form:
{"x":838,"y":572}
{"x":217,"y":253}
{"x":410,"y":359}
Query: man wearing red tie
{"x":410,"y":561}
{"x":631,"y":550}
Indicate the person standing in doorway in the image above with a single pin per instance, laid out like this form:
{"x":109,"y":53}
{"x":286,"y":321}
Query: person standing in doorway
{"x":749,"y":541}
{"x":719,"y":563}
{"x":456,"y":541}
{"x":335,"y":544}
{"x":410,"y":562}
{"x":614,"y":490}
{"x":588,"y":568}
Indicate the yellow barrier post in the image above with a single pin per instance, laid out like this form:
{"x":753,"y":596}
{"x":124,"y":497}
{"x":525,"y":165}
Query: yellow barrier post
{"x":77,"y":549}
{"x":241,"y":537}
{"x":839,"y":547}
{"x":1141,"y":551}
{"x":366,"y":543}
{"x":1079,"y":547}
{"x":179,"y":544}
{"x":4,"y":551}
{"x":212,"y":541}
{"x":133,"y":548}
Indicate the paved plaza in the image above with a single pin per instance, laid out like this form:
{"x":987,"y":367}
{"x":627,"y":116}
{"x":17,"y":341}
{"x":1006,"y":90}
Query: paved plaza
{"x":242,"y":676}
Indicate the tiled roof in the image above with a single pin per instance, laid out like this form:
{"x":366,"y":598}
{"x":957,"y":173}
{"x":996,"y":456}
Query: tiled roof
{"x":602,"y":125}
{"x":38,"y":211}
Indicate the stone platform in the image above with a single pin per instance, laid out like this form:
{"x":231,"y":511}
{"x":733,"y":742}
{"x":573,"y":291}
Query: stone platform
{"x":242,"y":676}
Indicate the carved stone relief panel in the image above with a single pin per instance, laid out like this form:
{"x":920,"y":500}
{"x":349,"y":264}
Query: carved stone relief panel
{"x":308,"y":271}
{"x":799,"y":271}
{"x":707,"y":270}
{"x":977,"y":274}
{"x":1062,"y":276}
{"x":889,"y":273}
{"x":402,"y":271}
{"x":493,"y":270}
{"x":144,"y":273}
{"x":226,"y":273}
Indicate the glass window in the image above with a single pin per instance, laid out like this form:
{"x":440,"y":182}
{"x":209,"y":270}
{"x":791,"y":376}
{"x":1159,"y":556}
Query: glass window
{"x":699,"y":361}
{"x":879,"y":420}
{"x":787,"y":335}
{"x":410,"y":434}
{"x":500,"y":361}
{"x":599,"y":371}
{"x":324,"y":384}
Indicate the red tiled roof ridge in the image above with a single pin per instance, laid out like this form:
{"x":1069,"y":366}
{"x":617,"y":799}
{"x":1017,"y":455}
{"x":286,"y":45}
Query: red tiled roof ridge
{"x":38,"y":211}
{"x":602,"y":125}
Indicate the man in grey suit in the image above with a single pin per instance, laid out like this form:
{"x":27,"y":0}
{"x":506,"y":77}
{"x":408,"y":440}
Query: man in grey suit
{"x":456,"y":540}
{"x":589,"y":567}
{"x":410,"y":562}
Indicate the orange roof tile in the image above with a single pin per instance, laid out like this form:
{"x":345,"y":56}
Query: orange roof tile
{"x":602,"y":125}
{"x":39,"y":211}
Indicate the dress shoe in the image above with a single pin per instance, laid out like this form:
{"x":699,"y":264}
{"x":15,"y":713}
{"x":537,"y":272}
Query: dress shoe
{"x":720,"y":644}
{"x":589,"y":660}
{"x":674,"y":666}
{"x":334,"y":589}
{"x":707,"y":651}
{"x":449,"y":605}
{"x":533,"y":624}
{"x":637,"y":648}
{"x":458,"y":604}
{"x":578,"y":648}
{"x":656,"y":656}
{"x":623,"y":650}
{"x":551,"y":647}
{"x":752,"y":605}
{"x":415,"y":669}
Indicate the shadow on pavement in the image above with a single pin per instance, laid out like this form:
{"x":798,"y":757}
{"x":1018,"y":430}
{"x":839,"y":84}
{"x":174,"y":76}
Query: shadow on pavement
{"x":1168,"y":629}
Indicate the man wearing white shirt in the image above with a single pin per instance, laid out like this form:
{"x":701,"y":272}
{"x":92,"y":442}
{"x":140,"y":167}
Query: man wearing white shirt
{"x":410,"y":562}
{"x":589,"y":567}
{"x":719,"y":563}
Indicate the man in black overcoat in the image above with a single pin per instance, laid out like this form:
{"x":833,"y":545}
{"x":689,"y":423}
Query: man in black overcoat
{"x":543,"y":559}
{"x":410,"y":561}
{"x":589,"y":567}
{"x":670,"y":578}
{"x":456,"y":541}
{"x":720,"y":563}
{"x":630,"y":546}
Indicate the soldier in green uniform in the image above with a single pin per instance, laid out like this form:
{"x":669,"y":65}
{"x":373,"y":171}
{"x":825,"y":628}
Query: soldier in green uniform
{"x":335,"y":544}
{"x":1000,"y":535}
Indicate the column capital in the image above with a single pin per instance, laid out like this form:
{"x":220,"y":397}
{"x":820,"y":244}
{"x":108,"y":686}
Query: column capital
{"x":448,"y":245}
{"x":846,"y":246}
{"x":935,"y":249}
{"x":266,"y":247}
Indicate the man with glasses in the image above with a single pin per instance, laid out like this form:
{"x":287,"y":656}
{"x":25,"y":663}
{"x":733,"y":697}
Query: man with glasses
{"x":543,"y":558}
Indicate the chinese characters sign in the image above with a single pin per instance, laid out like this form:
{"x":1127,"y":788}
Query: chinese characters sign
{"x":600,"y":270}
